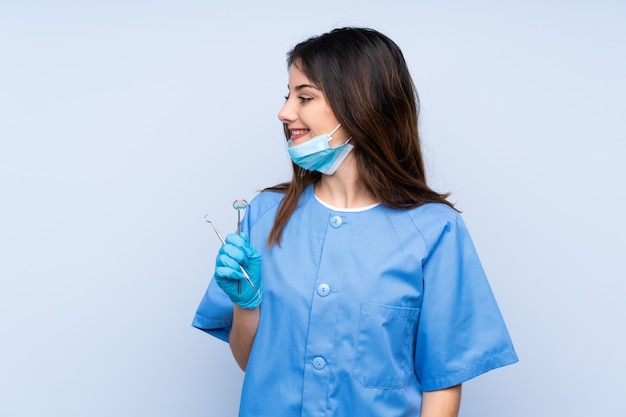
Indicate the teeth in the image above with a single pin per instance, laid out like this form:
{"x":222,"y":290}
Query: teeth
{"x":298,"y":132}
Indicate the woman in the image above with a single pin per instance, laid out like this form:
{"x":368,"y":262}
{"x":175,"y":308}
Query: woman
{"x":366,"y":296}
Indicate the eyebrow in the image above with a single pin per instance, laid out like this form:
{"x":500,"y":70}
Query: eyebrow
{"x":303,"y":86}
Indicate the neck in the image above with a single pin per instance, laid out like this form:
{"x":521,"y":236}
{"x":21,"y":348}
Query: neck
{"x":344,"y":188}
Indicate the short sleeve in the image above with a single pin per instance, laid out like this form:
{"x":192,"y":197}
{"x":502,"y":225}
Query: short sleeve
{"x":215,"y":313}
{"x":461,"y":333}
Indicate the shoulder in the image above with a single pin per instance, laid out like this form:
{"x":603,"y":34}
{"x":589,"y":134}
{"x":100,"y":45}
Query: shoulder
{"x":267,"y":198}
{"x":264,"y":203}
{"x":435,"y":220}
{"x":433,"y":213}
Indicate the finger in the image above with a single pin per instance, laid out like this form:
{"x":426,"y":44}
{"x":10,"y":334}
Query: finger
{"x":229,"y":273}
{"x":237,"y":240}
{"x":234,"y":252}
{"x":242,"y":242}
{"x":223,"y":260}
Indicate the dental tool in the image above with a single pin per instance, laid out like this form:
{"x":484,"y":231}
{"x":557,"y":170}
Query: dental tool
{"x":245,"y":273}
{"x":239,"y":205}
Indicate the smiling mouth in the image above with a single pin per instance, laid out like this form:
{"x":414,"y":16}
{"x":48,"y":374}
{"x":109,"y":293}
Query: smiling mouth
{"x":295,"y":134}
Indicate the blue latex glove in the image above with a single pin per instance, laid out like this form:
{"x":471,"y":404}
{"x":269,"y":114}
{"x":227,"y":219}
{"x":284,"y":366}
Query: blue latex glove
{"x":235,"y":253}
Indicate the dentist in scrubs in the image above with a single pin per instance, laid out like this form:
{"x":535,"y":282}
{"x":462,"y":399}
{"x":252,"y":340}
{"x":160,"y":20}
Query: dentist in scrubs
{"x":369,"y":298}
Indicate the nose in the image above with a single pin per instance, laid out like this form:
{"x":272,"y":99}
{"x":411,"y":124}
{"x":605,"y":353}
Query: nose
{"x":286,"y":113}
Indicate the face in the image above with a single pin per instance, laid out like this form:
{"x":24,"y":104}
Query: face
{"x":306,"y":112}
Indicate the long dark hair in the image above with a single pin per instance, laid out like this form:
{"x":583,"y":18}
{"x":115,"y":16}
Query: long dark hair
{"x":370,"y":90}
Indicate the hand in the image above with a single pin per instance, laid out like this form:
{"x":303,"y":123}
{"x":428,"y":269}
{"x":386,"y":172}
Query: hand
{"x":238,"y":252}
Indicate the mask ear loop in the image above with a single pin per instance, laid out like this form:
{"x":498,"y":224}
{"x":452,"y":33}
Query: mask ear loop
{"x":333,"y":132}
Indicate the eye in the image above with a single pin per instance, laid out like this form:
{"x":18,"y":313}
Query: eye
{"x":303,"y":99}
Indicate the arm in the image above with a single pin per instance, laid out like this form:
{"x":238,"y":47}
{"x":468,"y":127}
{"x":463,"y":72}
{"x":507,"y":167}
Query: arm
{"x":245,"y":291}
{"x":441,"y":403}
{"x":245,"y":324}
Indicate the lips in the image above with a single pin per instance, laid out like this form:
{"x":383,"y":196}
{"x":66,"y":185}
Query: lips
{"x":295,"y":134}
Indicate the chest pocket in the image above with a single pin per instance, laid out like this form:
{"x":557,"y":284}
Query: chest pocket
{"x":384,"y":349}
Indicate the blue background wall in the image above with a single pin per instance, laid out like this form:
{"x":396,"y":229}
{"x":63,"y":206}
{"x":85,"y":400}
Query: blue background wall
{"x":122,"y":123}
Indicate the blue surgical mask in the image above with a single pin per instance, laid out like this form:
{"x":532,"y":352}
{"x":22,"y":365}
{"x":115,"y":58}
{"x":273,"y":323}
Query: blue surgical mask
{"x":316,"y":155}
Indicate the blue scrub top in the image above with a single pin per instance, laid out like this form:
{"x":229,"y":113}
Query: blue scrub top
{"x":362,"y":311}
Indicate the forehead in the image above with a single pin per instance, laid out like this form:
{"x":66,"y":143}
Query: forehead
{"x":298,"y":79}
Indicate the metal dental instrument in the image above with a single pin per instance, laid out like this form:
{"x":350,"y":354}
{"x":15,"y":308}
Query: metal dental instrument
{"x":239,"y":205}
{"x":221,"y":238}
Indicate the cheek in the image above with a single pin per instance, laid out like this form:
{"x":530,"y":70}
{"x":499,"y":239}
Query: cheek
{"x":330,"y":115}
